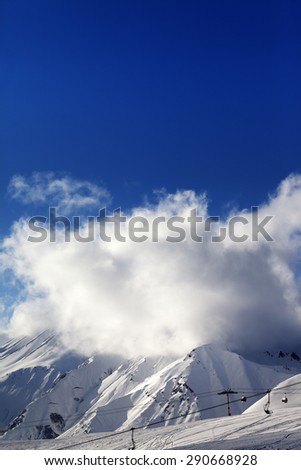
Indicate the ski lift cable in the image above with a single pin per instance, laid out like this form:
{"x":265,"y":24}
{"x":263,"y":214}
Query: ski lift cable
{"x":210,"y":393}
{"x":109,"y":411}
{"x":154,"y":423}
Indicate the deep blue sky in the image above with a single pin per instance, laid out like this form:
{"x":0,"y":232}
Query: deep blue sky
{"x":140,"y":95}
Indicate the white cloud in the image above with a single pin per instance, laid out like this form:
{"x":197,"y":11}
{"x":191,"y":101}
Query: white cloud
{"x":64,"y":192}
{"x":165,"y":298}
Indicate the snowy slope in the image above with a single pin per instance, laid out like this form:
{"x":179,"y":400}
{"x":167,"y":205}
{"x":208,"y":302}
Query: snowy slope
{"x":28,"y":369}
{"x":72,"y":396}
{"x":101,"y":395}
{"x":22,"y":387}
{"x":281,"y":430}
{"x":68,"y":398}
{"x":41,"y":350}
{"x":285,"y":395}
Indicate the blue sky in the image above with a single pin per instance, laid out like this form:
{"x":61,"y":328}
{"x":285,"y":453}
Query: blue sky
{"x":138,"y":96}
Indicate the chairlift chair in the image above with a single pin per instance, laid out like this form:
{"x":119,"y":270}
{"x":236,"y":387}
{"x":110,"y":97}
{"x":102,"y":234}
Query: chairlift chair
{"x":284,"y":399}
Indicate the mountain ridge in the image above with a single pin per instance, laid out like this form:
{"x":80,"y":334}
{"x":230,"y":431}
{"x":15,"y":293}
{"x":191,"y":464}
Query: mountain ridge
{"x":68,"y":395}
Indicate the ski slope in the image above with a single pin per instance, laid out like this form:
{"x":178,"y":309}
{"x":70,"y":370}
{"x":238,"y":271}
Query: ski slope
{"x":252,"y":431}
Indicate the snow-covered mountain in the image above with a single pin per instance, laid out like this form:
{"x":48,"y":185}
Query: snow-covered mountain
{"x":45,"y":394}
{"x":29,"y":369}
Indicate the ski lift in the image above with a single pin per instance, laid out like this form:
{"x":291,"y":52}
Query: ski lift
{"x":266,"y":407}
{"x":243,"y":399}
{"x":284,"y":399}
{"x":133,"y":446}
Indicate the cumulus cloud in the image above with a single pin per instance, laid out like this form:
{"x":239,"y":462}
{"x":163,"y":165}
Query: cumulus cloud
{"x":165,"y":298}
{"x":64,"y":192}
